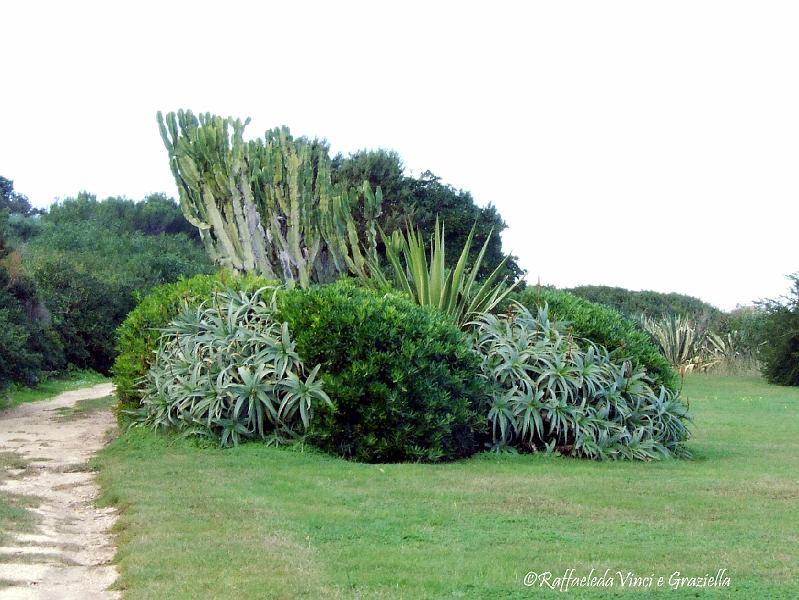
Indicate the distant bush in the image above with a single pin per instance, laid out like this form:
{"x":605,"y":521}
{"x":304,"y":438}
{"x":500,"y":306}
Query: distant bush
{"x":655,"y":305}
{"x":138,"y":334}
{"x":84,"y":311}
{"x":604,"y":326}
{"x":28,"y":347}
{"x":87,"y":275}
{"x":549,"y":391}
{"x":128,"y":259}
{"x":229,"y":370}
{"x":156,"y":214}
{"x":779,"y":353}
{"x":403,"y":379}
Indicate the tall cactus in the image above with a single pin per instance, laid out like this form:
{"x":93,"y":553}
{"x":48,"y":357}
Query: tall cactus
{"x":268,"y":205}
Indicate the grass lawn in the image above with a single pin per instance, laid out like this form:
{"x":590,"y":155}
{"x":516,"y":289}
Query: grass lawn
{"x":51,"y":387}
{"x":255,"y":522}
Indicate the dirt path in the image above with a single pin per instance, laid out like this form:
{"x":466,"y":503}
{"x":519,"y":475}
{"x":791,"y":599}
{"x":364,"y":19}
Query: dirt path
{"x":69,"y":555}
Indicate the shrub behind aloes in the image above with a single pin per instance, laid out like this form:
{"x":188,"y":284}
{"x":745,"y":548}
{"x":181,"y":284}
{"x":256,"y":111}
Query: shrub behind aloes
{"x":137,"y":337}
{"x":403,"y":379}
{"x":604,"y":326}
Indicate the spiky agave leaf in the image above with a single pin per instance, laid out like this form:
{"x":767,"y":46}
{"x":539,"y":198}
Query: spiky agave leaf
{"x":429,"y":282}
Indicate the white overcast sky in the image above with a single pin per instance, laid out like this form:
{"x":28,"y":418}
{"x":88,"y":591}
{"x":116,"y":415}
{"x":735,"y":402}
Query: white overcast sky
{"x":648,"y":145}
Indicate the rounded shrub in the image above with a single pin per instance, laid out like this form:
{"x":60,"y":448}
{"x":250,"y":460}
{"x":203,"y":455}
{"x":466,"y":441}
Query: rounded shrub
{"x":606,"y":327}
{"x":137,"y":337}
{"x":403,"y":380}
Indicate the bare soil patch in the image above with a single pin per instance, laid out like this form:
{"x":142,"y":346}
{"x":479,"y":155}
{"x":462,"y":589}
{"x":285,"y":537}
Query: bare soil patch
{"x":68,"y":554}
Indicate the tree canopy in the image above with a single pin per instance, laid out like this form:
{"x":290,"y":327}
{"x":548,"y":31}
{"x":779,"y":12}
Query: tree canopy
{"x":421,"y":200}
{"x":12,"y":201}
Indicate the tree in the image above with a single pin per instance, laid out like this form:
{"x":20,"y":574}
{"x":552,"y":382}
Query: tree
{"x":12,"y":201}
{"x":779,"y":353}
{"x":422,"y":200}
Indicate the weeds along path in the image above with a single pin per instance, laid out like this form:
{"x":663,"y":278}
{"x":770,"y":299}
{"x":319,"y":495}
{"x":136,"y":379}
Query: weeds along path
{"x":66,"y":551}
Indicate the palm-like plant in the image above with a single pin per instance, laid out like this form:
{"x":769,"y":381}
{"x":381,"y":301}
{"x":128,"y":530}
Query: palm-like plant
{"x":429,"y":282}
{"x":687,"y":346}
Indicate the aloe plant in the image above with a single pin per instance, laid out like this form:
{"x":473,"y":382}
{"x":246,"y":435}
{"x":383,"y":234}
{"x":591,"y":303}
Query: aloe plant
{"x":547,"y":392}
{"x":229,"y":370}
{"x":427,"y":280}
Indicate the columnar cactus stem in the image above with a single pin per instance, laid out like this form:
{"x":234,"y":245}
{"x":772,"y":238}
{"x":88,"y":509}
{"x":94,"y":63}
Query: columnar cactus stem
{"x":268,"y":205}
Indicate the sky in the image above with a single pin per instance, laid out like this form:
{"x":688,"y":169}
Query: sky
{"x":646,"y":145}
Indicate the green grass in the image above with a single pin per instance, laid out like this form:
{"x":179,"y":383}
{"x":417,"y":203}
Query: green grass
{"x":51,"y":387}
{"x":83,"y":408}
{"x":14,"y":515}
{"x":255,"y":522}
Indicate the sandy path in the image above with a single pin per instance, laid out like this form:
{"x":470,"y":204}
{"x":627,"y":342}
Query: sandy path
{"x":69,"y":555}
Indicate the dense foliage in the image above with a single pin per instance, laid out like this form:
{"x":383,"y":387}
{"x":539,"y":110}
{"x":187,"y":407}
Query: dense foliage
{"x":84,"y":311}
{"x":655,"y":305}
{"x":28,"y":346}
{"x":68,"y":276}
{"x":779,"y":353}
{"x":229,"y":370}
{"x":402,"y":378}
{"x":88,"y":274}
{"x":424,"y":200}
{"x":153,"y":215}
{"x":138,"y":334}
{"x":549,"y":393}
{"x":604,"y":326}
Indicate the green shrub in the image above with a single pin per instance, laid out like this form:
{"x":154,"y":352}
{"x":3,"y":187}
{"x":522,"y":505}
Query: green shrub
{"x":779,"y":353}
{"x":603,"y":326}
{"x":548,"y":393}
{"x":137,"y":337}
{"x":655,"y":305}
{"x":28,"y":346}
{"x":403,"y":379}
{"x":84,"y":310}
{"x":229,"y":370}
{"x":87,"y":274}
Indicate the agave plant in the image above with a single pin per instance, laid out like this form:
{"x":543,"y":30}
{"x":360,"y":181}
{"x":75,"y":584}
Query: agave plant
{"x":731,"y":353}
{"x":228,"y":369}
{"x":682,"y":342}
{"x":429,"y":282}
{"x":550,"y":393}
